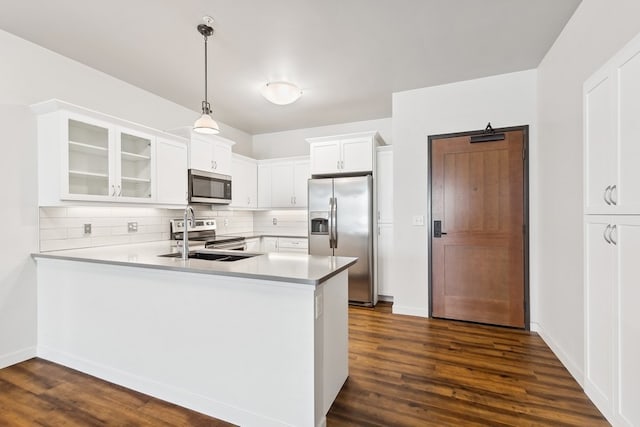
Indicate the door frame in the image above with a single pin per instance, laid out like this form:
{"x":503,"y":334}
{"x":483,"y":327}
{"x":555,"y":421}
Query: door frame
{"x":525,"y":194}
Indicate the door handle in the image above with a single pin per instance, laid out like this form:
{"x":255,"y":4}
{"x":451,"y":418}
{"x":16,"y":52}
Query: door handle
{"x":606,"y":195}
{"x":614,"y":229}
{"x":437,"y":229}
{"x":331,"y":223}
{"x":614,"y":202}
{"x":335,"y":222}
{"x":604,"y":233}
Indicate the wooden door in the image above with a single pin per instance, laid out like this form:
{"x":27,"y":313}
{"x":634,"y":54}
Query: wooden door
{"x":478,"y":263}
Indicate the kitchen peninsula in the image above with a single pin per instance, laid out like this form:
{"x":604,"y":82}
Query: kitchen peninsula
{"x":259,"y":341}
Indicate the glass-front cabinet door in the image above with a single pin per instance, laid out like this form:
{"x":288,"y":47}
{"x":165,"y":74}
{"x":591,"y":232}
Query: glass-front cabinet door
{"x":88,"y":155}
{"x":135,"y":153}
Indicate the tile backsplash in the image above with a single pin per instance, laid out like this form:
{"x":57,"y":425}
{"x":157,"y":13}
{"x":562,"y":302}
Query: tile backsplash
{"x":63,"y":227}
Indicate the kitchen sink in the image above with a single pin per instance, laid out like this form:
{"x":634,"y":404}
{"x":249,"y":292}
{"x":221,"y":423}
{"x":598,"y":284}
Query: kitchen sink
{"x":211,"y":256}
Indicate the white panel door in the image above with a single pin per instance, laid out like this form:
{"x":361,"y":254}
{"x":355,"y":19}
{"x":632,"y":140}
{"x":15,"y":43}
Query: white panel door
{"x":171,"y":172}
{"x":222,"y":158}
{"x":239,"y":184}
{"x":301,"y":176}
{"x":385,"y":254}
{"x":628,"y":95}
{"x":200,"y":154}
{"x":600,"y":142}
{"x":251,"y":172}
{"x":599,"y":308}
{"x":325,"y":157}
{"x":282,"y":185}
{"x":627,"y":237}
{"x":264,"y":186}
{"x":357,"y":155}
{"x":384,"y":185}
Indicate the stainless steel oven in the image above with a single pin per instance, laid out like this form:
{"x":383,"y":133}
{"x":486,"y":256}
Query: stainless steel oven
{"x":207,"y":187}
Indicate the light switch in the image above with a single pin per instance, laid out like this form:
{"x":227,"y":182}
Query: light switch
{"x":417,"y":220}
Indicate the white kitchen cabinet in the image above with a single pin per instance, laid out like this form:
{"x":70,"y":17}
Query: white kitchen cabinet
{"x":612,"y":236}
{"x":612,"y":132}
{"x":612,"y":321}
{"x":134,"y":166}
{"x":84,"y":155}
{"x":269,"y":244}
{"x":264,"y":185}
{"x":293,"y":244}
{"x":244,"y":190}
{"x":384,"y":184}
{"x":283,"y":183}
{"x":384,"y":259}
{"x":339,"y":154}
{"x":171,"y":171}
{"x":253,"y":244}
{"x":285,"y":244}
{"x":210,"y":153}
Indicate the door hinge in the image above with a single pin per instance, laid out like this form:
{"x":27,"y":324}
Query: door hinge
{"x":524,"y":154}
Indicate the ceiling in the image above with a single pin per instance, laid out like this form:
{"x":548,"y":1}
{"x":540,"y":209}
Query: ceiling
{"x":348,"y":56}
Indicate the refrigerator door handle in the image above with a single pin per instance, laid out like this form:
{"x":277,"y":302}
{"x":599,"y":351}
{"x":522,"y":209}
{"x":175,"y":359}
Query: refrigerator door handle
{"x":331,"y":222}
{"x":335,"y":222}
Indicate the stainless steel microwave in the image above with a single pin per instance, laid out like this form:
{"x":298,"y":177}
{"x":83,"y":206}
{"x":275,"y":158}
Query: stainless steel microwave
{"x":207,"y":187}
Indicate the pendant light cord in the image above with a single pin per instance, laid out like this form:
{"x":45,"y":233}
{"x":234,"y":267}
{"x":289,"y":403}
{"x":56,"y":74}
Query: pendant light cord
{"x":206,"y":100}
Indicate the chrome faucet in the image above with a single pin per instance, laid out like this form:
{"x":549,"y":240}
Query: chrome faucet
{"x":189,"y":215}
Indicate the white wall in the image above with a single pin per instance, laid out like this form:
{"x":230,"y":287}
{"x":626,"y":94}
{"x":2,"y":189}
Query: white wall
{"x":595,"y":32}
{"x":504,"y":100}
{"x":293,"y":143}
{"x":29,"y":74}
{"x":19,"y":218}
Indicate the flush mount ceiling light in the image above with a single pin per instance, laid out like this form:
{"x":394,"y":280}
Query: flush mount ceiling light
{"x":206,"y":124}
{"x":281,"y":93}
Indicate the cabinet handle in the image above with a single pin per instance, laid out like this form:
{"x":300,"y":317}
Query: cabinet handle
{"x":613,"y":229}
{"x":338,"y":164}
{"x":614,"y":202}
{"x":341,"y":164}
{"x":248,"y":200}
{"x":215,"y":164}
{"x":606,"y":195}
{"x":295,"y":201}
{"x":604,"y":233}
{"x":119,"y":191}
{"x":113,"y":191}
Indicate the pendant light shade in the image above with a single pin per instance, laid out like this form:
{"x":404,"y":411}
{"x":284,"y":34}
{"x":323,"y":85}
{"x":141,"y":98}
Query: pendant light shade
{"x":205,"y":124}
{"x":281,"y":93}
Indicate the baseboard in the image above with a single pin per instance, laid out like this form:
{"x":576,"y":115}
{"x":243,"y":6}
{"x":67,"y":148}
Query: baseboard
{"x":17,"y":357}
{"x":410,"y":311}
{"x":574,"y":370}
{"x":158,"y":390}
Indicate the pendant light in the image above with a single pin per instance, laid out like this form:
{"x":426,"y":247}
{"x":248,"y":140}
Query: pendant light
{"x":205,"y":124}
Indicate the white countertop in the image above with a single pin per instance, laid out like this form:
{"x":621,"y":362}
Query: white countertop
{"x":285,"y":267}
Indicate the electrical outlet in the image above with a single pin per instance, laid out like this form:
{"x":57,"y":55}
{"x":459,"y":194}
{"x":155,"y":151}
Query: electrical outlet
{"x":132,"y":227}
{"x":87,"y":229}
{"x":275,"y":221}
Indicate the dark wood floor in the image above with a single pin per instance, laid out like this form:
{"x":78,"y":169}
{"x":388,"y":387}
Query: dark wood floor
{"x":403,"y":371}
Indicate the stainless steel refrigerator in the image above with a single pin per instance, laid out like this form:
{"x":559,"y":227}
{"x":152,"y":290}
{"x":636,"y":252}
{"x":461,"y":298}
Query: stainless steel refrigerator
{"x":341,"y":224}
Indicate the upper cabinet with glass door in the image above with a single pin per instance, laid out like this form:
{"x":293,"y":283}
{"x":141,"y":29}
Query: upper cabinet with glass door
{"x":88,"y":156}
{"x":135,"y":171}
